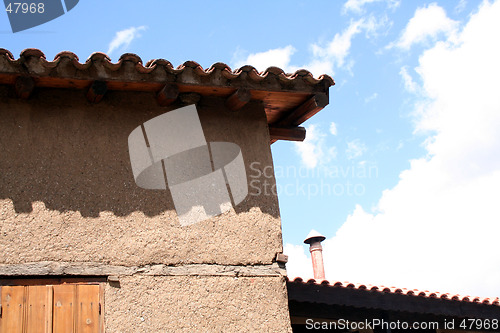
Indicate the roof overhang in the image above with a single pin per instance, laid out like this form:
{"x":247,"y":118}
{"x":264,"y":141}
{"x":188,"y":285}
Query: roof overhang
{"x":288,"y":99}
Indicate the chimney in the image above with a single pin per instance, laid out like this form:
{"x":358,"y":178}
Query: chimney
{"x":314,"y":240}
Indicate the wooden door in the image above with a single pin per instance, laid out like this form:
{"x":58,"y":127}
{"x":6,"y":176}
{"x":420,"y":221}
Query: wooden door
{"x":12,"y":307}
{"x":64,"y":308}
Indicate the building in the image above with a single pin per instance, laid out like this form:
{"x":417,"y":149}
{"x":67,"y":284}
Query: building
{"x":84,"y":248}
{"x":346,"y":307}
{"x":87,"y":245}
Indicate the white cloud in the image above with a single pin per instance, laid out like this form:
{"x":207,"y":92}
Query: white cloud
{"x":333,"y":128}
{"x":438,"y":228}
{"x":460,"y":6}
{"x":299,"y":265}
{"x":279,"y":57}
{"x":372,"y":25}
{"x":330,"y":56}
{"x":332,"y":153}
{"x":357,"y":5}
{"x":427,"y":23}
{"x":410,"y":85}
{"x":326,"y":57}
{"x":371,"y":97}
{"x":320,"y":66}
{"x":314,"y":150}
{"x":123,"y":38}
{"x":338,"y":48}
{"x":311,"y":150}
{"x":355,"y":149}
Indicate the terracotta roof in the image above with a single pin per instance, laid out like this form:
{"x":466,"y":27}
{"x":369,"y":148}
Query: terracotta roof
{"x":289,"y":98}
{"x":401,"y":291}
{"x":336,"y":300}
{"x":152,"y":65}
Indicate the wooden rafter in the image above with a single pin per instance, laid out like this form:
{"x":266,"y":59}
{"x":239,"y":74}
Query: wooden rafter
{"x":96,"y":91}
{"x":238,"y":99}
{"x":289,"y":133}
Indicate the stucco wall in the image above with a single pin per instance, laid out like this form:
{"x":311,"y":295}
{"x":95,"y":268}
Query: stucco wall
{"x":67,"y":191}
{"x":69,"y":206}
{"x":197,"y":304}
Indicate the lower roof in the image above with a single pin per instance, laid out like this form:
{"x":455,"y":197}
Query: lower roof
{"x":391,"y":299}
{"x":289,"y":99}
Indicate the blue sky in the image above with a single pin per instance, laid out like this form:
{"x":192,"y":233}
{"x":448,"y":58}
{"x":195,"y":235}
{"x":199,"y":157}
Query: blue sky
{"x":401,"y":172}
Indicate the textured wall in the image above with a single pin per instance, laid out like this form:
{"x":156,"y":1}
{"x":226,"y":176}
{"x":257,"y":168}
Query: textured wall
{"x":69,"y":206}
{"x":67,"y":191}
{"x":197,"y":304}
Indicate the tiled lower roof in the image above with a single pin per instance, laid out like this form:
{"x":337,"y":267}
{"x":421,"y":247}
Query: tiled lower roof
{"x":402,"y":291}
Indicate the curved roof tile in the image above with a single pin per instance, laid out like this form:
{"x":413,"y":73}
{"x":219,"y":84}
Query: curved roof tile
{"x":248,"y":72}
{"x":402,"y":291}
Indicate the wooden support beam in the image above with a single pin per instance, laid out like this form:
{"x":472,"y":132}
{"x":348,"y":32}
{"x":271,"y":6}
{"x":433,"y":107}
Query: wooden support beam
{"x":280,"y":257}
{"x":189,"y":98}
{"x":287,"y":133}
{"x":168,"y":94}
{"x":96,"y":91}
{"x":238,"y":99}
{"x":24,"y":86}
{"x":305,"y":111}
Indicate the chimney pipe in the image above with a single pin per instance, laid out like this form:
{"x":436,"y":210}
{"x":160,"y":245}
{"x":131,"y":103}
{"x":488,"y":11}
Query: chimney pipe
{"x":314,"y":240}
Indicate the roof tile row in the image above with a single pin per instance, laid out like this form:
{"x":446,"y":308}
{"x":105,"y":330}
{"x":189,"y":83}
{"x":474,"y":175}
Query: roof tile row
{"x":403,"y":291}
{"x":152,"y":65}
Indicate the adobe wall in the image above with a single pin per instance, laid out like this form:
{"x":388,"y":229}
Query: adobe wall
{"x":197,"y":304}
{"x":69,"y":205}
{"x":67,"y":190}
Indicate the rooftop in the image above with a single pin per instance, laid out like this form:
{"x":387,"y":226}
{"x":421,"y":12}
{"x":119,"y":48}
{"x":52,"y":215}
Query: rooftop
{"x":289,"y":99}
{"x":336,"y":293}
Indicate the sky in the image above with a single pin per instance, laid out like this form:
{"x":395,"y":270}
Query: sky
{"x":401,"y":171}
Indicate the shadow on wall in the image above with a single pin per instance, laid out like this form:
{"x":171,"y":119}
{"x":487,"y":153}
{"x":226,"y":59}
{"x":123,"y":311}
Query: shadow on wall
{"x":73,"y":156}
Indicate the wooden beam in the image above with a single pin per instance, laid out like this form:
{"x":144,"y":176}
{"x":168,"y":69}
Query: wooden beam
{"x":305,"y":111}
{"x":189,"y":98}
{"x":238,"y":99}
{"x":168,"y":94}
{"x":96,"y":91}
{"x":287,"y":133}
{"x":325,"y":295}
{"x":24,"y":86}
{"x":282,"y":258}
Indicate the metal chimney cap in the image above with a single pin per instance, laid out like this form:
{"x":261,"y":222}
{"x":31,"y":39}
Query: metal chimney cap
{"x":314,"y":236}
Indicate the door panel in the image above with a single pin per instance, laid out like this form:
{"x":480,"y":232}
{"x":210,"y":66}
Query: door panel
{"x":63,"y":308}
{"x":39,"y":307}
{"x":12,"y":309}
{"x":88,"y":309}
